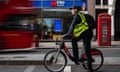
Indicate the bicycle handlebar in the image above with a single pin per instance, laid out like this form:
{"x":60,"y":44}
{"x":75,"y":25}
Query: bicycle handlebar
{"x":60,"y":42}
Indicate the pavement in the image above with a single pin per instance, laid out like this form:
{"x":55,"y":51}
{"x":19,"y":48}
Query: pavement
{"x":94,"y":44}
{"x":35,"y":57}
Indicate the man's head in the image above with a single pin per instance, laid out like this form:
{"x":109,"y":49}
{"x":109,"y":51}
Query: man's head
{"x":75,"y":9}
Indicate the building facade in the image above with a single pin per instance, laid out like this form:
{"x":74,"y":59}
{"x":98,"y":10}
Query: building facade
{"x":111,"y":7}
{"x":53,"y":16}
{"x":94,"y":7}
{"x":107,"y":6}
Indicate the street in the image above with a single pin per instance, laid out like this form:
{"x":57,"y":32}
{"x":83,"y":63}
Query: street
{"x":32,"y":61}
{"x":111,"y":56}
{"x":40,"y":68}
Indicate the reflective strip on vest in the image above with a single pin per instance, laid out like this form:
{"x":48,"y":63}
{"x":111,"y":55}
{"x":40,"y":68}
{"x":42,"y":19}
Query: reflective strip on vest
{"x":81,"y":27}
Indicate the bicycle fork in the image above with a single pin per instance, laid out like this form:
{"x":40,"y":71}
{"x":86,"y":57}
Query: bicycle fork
{"x":54,"y":57}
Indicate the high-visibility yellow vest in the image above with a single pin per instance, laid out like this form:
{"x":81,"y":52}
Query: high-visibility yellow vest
{"x":81,"y":27}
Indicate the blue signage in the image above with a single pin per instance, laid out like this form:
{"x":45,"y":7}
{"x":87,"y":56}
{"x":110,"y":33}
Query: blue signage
{"x":58,"y":25}
{"x":58,"y":3}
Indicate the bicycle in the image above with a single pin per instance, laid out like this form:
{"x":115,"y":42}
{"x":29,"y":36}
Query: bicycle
{"x":56,"y":60}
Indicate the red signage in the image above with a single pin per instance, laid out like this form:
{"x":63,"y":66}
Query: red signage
{"x":54,"y":3}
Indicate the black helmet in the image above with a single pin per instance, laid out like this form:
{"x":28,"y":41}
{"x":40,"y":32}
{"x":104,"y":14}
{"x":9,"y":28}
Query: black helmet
{"x":76,"y":7}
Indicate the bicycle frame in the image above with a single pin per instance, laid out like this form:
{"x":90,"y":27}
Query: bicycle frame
{"x":64,"y":47}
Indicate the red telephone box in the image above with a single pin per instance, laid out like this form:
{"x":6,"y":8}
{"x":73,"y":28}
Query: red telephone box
{"x":104,"y":29}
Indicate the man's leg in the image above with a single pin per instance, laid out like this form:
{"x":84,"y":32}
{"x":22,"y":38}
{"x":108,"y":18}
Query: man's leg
{"x":75,"y":49}
{"x":87,"y":46}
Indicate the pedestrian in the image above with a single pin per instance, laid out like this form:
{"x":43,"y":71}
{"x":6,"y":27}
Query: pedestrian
{"x":80,"y":29}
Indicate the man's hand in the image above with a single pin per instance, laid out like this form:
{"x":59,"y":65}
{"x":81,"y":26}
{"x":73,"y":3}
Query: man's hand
{"x":63,"y":36}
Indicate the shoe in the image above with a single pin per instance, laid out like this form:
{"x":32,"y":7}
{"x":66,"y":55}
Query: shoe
{"x":76,"y":62}
{"x":85,"y":59}
{"x":81,"y":60}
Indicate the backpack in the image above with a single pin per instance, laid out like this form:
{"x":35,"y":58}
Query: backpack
{"x":90,"y":20}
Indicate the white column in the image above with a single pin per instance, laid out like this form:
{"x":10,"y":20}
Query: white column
{"x":110,"y":11}
{"x":101,"y":4}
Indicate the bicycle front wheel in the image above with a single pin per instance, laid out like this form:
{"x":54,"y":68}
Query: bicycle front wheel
{"x":55,"y":61}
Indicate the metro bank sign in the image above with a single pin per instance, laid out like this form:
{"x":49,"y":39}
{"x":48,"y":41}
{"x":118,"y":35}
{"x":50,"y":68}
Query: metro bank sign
{"x":57,"y":3}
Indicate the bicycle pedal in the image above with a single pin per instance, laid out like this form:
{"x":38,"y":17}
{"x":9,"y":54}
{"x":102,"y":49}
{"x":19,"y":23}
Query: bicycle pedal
{"x":80,"y":60}
{"x":86,"y":60}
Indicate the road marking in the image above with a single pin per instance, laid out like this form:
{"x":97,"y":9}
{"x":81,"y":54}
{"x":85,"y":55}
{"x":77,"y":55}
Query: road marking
{"x":67,"y":69}
{"x":112,"y":60}
{"x":30,"y":69}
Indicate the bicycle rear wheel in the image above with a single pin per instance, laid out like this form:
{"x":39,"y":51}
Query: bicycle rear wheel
{"x":54,"y":61}
{"x":97,"y":59}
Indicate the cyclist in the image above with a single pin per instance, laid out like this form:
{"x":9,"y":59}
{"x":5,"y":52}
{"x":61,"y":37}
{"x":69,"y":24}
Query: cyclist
{"x":80,"y":30}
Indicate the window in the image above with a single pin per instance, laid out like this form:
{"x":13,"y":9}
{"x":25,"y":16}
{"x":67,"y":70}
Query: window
{"x":18,"y":22}
{"x":51,"y":23}
{"x":98,"y":2}
{"x":105,"y":2}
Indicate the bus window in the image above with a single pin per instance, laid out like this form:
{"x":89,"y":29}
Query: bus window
{"x":18,"y":22}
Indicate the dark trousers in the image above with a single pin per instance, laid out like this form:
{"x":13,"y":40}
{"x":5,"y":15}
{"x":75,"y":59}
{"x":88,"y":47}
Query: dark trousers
{"x":86,"y":37}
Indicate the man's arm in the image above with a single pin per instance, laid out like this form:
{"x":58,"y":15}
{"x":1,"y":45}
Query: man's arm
{"x":71,"y":26}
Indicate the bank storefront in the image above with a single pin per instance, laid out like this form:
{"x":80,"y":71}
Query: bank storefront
{"x":54,"y":17}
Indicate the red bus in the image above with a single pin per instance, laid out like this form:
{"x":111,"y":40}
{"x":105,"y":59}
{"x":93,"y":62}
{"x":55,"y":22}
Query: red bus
{"x":16,"y":32}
